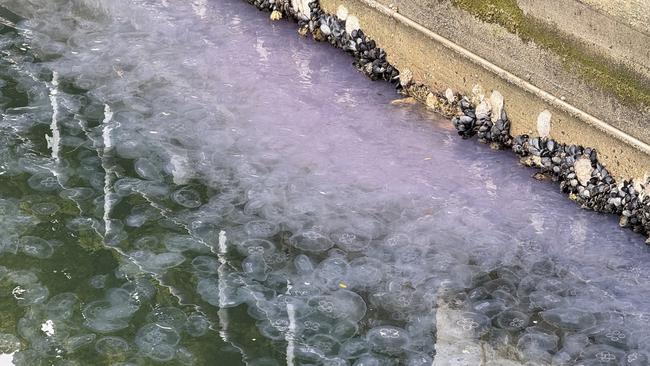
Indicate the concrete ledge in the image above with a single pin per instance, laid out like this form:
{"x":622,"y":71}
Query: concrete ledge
{"x":440,"y":64}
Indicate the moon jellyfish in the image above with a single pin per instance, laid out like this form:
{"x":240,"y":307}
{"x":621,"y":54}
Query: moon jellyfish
{"x":354,"y":348}
{"x":542,"y":300}
{"x":197,"y":325}
{"x":366,"y":272}
{"x":255,"y":267}
{"x":45,"y":208}
{"x":157,"y":342}
{"x":205,"y":265}
{"x":274,"y":327}
{"x":569,"y":318}
{"x":98,"y":281}
{"x":255,"y":246}
{"x":61,"y":305}
{"x":637,"y":358}
{"x":303,"y":264}
{"x":388,"y":339}
{"x":472,"y":325}
{"x":147,"y":242}
{"x":261,"y":229}
{"x":341,"y":304}
{"x":332,"y":269}
{"x":512,"y":320}
{"x":344,"y":329}
{"x":350,"y":241}
{"x":601,"y":354}
{"x":208,"y":290}
{"x":126,"y":186}
{"x":104,"y":317}
{"x":111,"y":346}
{"x":311,"y":241}
{"x":490,"y":307}
{"x":168,"y":317}
{"x":536,"y":339}
{"x":615,"y":335}
{"x":157,"y":262}
{"x":181,"y":243}
{"x":36,"y":247}
{"x":72,"y":344}
{"x":146,"y":169}
{"x":44,"y":182}
{"x":140,"y":288}
{"x":30,"y":294}
{"x":326,"y":344}
{"x":186,"y":197}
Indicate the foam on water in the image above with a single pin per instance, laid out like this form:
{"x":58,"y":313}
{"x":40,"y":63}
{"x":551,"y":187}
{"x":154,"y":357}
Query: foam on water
{"x":216,"y":172}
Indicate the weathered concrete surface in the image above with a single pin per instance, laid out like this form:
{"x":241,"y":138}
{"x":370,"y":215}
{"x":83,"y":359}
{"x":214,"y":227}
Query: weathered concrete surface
{"x":635,"y":13}
{"x":410,"y":45}
{"x":607,"y":35}
{"x":454,"y":347}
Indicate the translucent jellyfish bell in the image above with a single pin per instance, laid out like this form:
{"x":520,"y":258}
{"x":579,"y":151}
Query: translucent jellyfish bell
{"x":366,"y":272}
{"x":157,"y":342}
{"x":344,"y":329}
{"x":169,"y":317}
{"x":72,"y":344}
{"x":253,"y":246}
{"x":512,"y":320}
{"x":255,"y":267}
{"x":197,"y":325}
{"x":30,"y":294}
{"x":45,"y":208}
{"x":61,"y":305}
{"x":601,"y":354}
{"x":326,"y":344}
{"x":490,"y":307}
{"x":542,"y":300}
{"x":311,"y":241}
{"x":36,"y":247}
{"x":146,"y":169}
{"x":341,"y":304}
{"x":615,"y":335}
{"x":473,"y":325}
{"x":261,"y":229}
{"x":354,"y":348}
{"x":388,"y":339}
{"x":112,"y":346}
{"x":181,"y":243}
{"x":187,"y":197}
{"x":163,"y":261}
{"x":568,"y":318}
{"x":303,"y":264}
{"x":44,"y":182}
{"x":205,"y":265}
{"x":534,"y":340}
{"x":333,"y":270}
{"x":351,"y":241}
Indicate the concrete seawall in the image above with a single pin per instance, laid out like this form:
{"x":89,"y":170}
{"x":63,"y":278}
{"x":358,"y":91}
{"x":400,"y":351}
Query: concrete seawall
{"x":584,"y":61}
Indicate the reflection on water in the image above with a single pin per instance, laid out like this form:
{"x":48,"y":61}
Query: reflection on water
{"x":184,"y":182}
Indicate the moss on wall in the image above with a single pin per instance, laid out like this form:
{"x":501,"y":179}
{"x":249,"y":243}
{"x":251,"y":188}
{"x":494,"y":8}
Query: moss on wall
{"x":622,"y":82}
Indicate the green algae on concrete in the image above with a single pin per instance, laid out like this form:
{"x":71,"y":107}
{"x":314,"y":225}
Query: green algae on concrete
{"x":619,"y":80}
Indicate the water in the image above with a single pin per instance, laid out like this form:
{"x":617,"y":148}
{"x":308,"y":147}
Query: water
{"x":188,"y":183}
